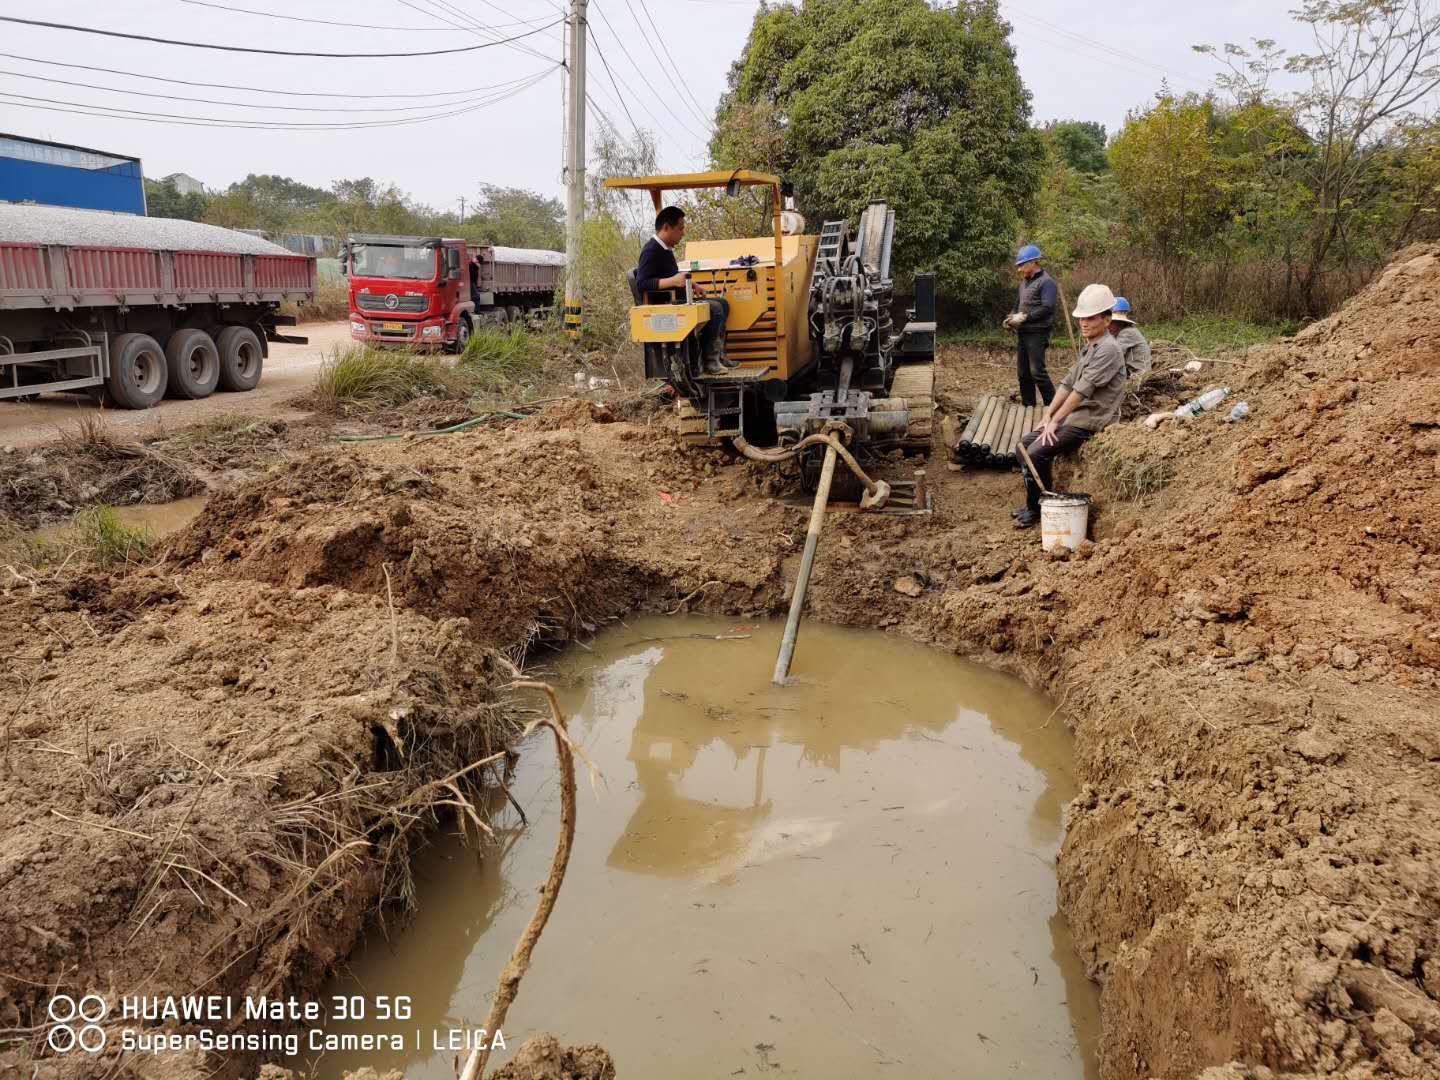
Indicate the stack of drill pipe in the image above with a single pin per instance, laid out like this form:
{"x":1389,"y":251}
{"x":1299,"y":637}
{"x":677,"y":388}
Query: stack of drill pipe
{"x":994,"y":430}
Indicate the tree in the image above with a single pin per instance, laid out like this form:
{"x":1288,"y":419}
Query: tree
{"x":1081,"y":143}
{"x":1375,"y":62}
{"x":164,"y":200}
{"x":1165,"y":163}
{"x":854,"y":100}
{"x":514,"y":217}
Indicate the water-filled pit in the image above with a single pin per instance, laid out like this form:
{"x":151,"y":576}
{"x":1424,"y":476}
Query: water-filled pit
{"x":847,"y":876}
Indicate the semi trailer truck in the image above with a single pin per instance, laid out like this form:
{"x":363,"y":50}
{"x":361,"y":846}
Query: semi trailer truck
{"x":432,"y":291}
{"x":136,"y":307}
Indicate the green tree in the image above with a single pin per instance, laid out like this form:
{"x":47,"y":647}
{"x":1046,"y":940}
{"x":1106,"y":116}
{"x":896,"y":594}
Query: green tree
{"x":854,"y":100}
{"x":1081,"y":143}
{"x":514,"y":217}
{"x":1165,"y":163}
{"x":164,"y":200}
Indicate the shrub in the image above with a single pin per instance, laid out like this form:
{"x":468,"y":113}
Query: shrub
{"x":365,"y":375}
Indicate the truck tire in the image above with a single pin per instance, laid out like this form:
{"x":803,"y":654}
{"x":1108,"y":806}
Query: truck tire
{"x":138,"y":372}
{"x":516,"y":315}
{"x":241,"y":358}
{"x":194,"y":364}
{"x":462,"y":333}
{"x":500,"y":315}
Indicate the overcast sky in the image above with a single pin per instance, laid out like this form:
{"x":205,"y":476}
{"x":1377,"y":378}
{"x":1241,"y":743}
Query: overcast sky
{"x":515,"y":141}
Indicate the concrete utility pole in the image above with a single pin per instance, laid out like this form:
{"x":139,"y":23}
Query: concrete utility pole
{"x":575,"y":169}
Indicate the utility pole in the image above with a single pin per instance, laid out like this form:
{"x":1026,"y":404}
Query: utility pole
{"x":575,"y":170}
{"x":462,"y":209}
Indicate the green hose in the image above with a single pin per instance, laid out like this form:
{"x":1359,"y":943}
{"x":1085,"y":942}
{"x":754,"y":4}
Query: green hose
{"x":464,"y":425}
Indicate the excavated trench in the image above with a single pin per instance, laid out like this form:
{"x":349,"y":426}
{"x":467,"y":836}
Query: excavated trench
{"x":852,"y":871}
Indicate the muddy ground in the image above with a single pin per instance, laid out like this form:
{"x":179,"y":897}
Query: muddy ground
{"x":212,"y":767}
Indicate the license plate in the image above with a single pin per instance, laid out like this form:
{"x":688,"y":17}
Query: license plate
{"x":399,"y":327}
{"x":664,"y":324}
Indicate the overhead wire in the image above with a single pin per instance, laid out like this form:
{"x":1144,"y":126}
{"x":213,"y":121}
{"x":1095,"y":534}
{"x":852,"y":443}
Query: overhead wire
{"x":270,"y":108}
{"x":1078,"y":43}
{"x":328,"y":22}
{"x":606,"y":65}
{"x":644,"y":78}
{"x":349,"y":95}
{"x":263,"y":52}
{"x":475,"y":27}
{"x":660,"y":49}
{"x":189,"y":120}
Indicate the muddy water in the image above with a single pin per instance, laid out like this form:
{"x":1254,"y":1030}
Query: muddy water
{"x":159,"y":519}
{"x":847,"y":877}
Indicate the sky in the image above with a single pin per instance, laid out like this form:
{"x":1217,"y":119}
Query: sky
{"x":494,"y":115}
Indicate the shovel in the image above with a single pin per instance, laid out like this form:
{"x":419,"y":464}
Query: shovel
{"x":1034,"y":472}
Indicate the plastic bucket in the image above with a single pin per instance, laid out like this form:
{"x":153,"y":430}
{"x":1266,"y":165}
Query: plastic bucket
{"x":1064,"y":520}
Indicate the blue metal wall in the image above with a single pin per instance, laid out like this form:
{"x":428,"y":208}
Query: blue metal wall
{"x":119,"y":188}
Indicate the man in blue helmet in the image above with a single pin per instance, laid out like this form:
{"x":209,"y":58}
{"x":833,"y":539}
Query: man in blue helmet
{"x":1132,"y":343}
{"x":1031,"y":320}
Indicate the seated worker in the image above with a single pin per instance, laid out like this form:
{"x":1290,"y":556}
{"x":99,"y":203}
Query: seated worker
{"x":1086,"y":402}
{"x":658,"y":271}
{"x":1132,"y":343}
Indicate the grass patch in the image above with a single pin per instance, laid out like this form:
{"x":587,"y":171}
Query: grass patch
{"x":330,"y":303}
{"x":1122,"y":474}
{"x":362,"y":375}
{"x":95,"y":536}
{"x":499,"y":359}
{"x":101,"y":467}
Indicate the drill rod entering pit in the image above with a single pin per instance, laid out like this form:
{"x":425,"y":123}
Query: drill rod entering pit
{"x":807,"y":562}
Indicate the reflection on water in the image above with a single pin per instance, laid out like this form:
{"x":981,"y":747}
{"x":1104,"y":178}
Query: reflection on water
{"x":849,"y":872}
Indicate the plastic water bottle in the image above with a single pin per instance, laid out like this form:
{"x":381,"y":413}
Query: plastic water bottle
{"x":1239,"y":412}
{"x":1204,"y":403}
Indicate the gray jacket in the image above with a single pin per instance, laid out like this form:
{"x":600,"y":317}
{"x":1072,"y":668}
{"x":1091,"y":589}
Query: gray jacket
{"x":1037,"y":299}
{"x":1136,"y":349}
{"x":1098,"y":376}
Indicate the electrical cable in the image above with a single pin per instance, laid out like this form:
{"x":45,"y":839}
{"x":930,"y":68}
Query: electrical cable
{"x":474,"y":28}
{"x":664,"y":53}
{"x":186,"y":120}
{"x":263,"y":52}
{"x":257,"y":105}
{"x":644,"y":78}
{"x":326,"y":22}
{"x":251,"y":89}
{"x":606,"y":65}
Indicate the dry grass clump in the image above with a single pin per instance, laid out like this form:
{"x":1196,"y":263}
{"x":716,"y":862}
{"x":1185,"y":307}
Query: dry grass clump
{"x":1125,"y":472}
{"x":330,"y":303}
{"x":95,"y":536}
{"x":496,"y":360}
{"x":116,"y":471}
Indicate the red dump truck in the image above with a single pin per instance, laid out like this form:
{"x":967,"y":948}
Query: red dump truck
{"x":426,"y":290}
{"x":139,"y":307}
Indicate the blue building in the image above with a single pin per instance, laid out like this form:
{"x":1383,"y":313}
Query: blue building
{"x":55,"y":174}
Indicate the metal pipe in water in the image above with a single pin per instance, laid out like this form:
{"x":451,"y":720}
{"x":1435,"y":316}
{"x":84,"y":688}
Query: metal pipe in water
{"x":807,"y":563}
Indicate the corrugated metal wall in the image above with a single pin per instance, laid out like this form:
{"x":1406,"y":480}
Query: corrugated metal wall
{"x":120,"y":188}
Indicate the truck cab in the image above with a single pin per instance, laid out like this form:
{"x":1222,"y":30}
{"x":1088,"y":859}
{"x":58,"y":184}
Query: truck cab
{"x":409,"y":290}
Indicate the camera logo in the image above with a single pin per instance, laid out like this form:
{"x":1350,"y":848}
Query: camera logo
{"x":77,"y":1023}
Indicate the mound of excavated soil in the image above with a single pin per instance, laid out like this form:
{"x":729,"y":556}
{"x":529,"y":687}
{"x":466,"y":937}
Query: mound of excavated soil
{"x":1249,"y":658}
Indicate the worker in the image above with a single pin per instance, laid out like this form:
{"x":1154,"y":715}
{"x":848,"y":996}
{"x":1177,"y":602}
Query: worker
{"x":1086,"y":401}
{"x":1031,"y":320}
{"x":658,"y":271}
{"x":1131,"y":341}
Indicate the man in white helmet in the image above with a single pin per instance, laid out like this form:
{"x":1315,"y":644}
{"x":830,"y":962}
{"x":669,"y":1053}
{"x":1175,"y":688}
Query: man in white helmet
{"x":1086,"y":402}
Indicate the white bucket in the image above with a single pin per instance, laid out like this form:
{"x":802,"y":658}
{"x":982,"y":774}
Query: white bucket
{"x":1064,"y":520}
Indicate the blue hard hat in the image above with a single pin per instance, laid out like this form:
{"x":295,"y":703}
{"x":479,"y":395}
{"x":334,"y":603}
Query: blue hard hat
{"x":1028,"y":253}
{"x":1121,"y":304}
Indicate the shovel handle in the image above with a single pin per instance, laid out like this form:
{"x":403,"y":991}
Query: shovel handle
{"x":1033,"y":471}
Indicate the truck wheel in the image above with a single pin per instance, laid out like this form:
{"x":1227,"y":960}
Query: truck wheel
{"x":241,"y":358}
{"x":138,"y":372}
{"x":500,"y":315}
{"x":462,"y":333}
{"x":194,"y":364}
{"x":516,"y":315}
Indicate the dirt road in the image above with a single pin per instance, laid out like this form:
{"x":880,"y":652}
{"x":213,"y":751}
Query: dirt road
{"x":288,"y":370}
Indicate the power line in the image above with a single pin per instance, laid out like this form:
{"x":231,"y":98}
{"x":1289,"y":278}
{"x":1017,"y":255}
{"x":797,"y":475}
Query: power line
{"x":265,"y":52}
{"x":1086,"y":45}
{"x":251,"y":89}
{"x":474,"y":28}
{"x":643,"y":77}
{"x":664,"y":54}
{"x":606,"y":65}
{"x":257,"y":105}
{"x":115,"y":112}
{"x":319,"y":22}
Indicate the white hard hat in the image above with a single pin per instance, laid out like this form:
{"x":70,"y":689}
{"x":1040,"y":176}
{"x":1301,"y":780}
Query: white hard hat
{"x":1094,"y":300}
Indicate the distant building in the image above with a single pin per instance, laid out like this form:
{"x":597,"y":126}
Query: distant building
{"x":57,"y":174}
{"x":185,"y":184}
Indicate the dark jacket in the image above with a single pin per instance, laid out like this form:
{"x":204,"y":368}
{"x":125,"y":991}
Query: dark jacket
{"x":1037,"y":298}
{"x":656,"y":262}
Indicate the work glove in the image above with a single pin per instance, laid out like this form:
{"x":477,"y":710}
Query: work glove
{"x":1018,"y":318}
{"x":1008,"y":322}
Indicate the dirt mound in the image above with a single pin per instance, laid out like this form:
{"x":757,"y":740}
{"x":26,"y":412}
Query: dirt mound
{"x":543,"y":1058}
